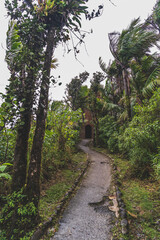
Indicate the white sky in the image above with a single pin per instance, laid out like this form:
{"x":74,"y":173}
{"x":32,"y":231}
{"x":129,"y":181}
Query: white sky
{"x":97,"y":44}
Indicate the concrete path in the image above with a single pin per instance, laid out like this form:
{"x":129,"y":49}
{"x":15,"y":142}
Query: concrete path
{"x":87,"y":216}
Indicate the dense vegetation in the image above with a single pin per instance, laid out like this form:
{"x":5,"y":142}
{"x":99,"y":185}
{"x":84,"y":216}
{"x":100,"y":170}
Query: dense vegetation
{"x":38,"y":138}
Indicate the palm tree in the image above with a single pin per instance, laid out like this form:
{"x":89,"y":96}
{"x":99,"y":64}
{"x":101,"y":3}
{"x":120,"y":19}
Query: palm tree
{"x":113,"y":88}
{"x":132,"y":43}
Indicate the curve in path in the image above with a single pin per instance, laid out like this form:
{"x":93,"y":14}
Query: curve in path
{"x":87,"y":216}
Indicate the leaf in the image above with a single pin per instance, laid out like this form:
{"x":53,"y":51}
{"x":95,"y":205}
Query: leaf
{"x":22,"y":109}
{"x":14,"y":45}
{"x":2,"y":168}
{"x":152,"y":82}
{"x":111,"y":197}
{"x":5,"y":175}
{"x":131,"y":214}
{"x":7,"y":164}
{"x":114,"y":208}
{"x":77,"y":20}
{"x":71,"y":22}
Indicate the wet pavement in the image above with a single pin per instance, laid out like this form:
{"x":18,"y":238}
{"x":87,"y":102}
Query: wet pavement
{"x":87,"y":216}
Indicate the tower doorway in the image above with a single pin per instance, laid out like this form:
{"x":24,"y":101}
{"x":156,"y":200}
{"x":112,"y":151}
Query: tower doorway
{"x":88,"y":131}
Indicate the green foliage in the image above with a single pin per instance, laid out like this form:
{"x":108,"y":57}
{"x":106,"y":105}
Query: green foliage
{"x":20,"y":213}
{"x":140,"y":196}
{"x":141,"y":199}
{"x":76,"y":93}
{"x":14,"y":45}
{"x":108,"y":129}
{"x":61,"y":136}
{"x":156,"y":14}
{"x":156,"y":163}
{"x":140,"y":140}
{"x":152,"y":82}
{"x":3,"y":174}
{"x":62,"y":180}
{"x":57,"y":191}
{"x":7,"y":143}
{"x":35,"y":30}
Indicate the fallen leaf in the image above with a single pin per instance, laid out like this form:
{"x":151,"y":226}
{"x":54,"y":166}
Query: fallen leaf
{"x":114,"y":208}
{"x":131,"y":214}
{"x":112,"y":197}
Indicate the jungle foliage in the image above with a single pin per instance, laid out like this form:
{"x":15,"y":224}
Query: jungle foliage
{"x":38,"y":137}
{"x":35,"y":29}
{"x":131,"y":96}
{"x":125,"y":111}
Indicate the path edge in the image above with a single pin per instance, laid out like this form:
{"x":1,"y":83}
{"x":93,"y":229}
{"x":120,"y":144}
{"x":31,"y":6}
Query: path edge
{"x":60,"y":208}
{"x":122,"y":211}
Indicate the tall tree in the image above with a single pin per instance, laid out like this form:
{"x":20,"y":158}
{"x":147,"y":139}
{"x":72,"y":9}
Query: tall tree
{"x":113,"y":88}
{"x":133,"y":42}
{"x":24,"y":56}
{"x":94,"y":102}
{"x":40,"y":26}
{"x":75,"y":92}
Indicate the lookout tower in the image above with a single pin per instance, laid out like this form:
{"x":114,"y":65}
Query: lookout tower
{"x":87,"y":129}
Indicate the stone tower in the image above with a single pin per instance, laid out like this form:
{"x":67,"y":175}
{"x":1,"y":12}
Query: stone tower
{"x":87,"y":129}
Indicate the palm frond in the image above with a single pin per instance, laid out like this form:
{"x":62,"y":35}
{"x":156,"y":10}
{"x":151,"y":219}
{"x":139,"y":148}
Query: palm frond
{"x":133,"y":23}
{"x":110,"y":106}
{"x":150,"y":88}
{"x":152,"y":83}
{"x":102,"y":65}
{"x":155,"y":75}
{"x":123,"y":117}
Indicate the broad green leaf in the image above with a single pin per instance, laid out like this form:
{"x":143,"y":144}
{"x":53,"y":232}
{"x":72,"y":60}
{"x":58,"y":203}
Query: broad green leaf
{"x":5,"y":175}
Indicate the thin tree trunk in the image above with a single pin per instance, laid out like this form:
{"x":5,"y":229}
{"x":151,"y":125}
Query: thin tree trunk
{"x":33,"y":180}
{"x":127,"y":92}
{"x":6,"y":150}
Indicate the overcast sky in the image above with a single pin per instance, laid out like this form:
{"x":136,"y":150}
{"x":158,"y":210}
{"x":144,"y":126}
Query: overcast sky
{"x":114,"y":18}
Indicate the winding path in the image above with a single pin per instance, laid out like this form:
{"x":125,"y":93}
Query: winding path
{"x":87,"y":216}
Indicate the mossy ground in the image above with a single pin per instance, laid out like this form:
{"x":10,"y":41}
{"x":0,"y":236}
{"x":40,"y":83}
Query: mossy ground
{"x":142,"y":201}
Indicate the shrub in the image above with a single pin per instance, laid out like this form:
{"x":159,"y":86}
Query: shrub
{"x":156,"y":163}
{"x":108,"y":133}
{"x":17,"y":217}
{"x":141,"y":139}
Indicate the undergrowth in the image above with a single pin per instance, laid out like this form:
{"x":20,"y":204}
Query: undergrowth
{"x":61,"y":182}
{"x":142,"y":201}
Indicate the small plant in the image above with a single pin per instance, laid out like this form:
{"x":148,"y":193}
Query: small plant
{"x":18,"y":217}
{"x":3,"y":174}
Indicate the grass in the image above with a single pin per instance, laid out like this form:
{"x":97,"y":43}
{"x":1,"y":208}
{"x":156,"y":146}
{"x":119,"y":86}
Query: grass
{"x":141,"y":198}
{"x":142,"y":201}
{"x":60,"y":183}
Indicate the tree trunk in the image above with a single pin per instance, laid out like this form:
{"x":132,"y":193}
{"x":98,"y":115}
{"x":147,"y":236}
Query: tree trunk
{"x":20,"y":155}
{"x":21,"y":148}
{"x":127,"y":92}
{"x":33,"y":180}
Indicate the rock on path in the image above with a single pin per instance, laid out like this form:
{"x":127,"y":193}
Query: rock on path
{"x":86,"y":217}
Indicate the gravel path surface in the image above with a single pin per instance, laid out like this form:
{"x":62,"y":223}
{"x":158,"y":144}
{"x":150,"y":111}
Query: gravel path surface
{"x":87,"y":217}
